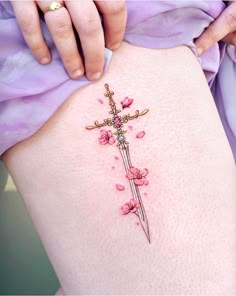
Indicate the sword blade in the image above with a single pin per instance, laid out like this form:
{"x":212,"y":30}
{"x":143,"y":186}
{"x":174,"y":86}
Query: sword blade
{"x":141,"y":213}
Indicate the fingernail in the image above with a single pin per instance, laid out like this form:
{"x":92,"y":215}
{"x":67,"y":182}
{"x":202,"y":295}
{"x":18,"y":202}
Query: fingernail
{"x":200,"y":51}
{"x":115,"y":46}
{"x":44,"y":60}
{"x":95,"y":76}
{"x":77,"y":74}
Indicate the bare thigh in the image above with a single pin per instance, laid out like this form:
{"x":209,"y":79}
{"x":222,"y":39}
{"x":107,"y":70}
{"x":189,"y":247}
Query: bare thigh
{"x":67,"y":181}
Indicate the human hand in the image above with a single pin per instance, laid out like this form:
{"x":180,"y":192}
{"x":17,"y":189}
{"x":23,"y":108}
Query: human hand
{"x":223,"y":28}
{"x":84,"y":16}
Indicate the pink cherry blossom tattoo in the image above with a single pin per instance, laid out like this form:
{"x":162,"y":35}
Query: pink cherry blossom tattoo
{"x":106,"y":137}
{"x":135,"y":176}
{"x":139,"y":176}
{"x":126,"y":102}
{"x":120,"y":187}
{"x":130,"y":207}
{"x":140,"y":135}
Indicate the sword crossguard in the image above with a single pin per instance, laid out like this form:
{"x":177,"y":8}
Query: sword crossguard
{"x":106,"y":122}
{"x":116,"y":121}
{"x":125,"y":119}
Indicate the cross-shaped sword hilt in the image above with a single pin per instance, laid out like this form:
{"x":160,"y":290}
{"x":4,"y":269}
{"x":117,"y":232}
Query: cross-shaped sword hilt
{"x":116,"y":121}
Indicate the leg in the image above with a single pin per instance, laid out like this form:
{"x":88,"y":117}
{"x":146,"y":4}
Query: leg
{"x":60,"y":292}
{"x":68,"y":185}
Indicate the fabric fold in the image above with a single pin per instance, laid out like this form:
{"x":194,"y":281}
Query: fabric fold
{"x":30,"y":93}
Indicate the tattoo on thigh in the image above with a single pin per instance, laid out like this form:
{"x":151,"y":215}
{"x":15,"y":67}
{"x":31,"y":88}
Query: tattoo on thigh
{"x":135,"y":176}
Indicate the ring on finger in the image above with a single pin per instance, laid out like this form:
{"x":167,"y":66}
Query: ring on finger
{"x":53,"y":6}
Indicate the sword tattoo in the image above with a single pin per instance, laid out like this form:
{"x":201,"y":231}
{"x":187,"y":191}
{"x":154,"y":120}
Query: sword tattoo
{"x":118,"y":122}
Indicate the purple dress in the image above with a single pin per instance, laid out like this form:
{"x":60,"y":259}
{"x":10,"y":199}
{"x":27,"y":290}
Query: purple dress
{"x":30,"y":93}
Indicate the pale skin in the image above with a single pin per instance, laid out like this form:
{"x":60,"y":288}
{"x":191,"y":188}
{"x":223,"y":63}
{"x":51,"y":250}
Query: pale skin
{"x":190,"y":199}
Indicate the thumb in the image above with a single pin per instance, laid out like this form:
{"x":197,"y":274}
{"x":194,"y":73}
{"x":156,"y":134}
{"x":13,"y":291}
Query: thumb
{"x":222,"y":26}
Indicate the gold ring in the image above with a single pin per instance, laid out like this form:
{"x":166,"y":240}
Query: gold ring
{"x":54,"y":6}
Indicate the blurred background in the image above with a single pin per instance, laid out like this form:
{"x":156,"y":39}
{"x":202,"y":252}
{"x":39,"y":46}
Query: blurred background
{"x":24,"y":265}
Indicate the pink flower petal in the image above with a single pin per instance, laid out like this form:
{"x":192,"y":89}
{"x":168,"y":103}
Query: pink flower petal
{"x":134,"y":171}
{"x":103,"y":132}
{"x":125,"y":209}
{"x":133,"y":210}
{"x":145,"y":181}
{"x":144,"y":172}
{"x":131,"y":127}
{"x":132,"y":202}
{"x":126,"y":102}
{"x":106,"y":137}
{"x":100,"y":101}
{"x":138,"y":176}
{"x":120,"y":187}
{"x":140,"y":135}
{"x":102,"y":141}
{"x":112,"y":140}
{"x":138,"y":182}
{"x":130,"y":176}
{"x":130,"y":207}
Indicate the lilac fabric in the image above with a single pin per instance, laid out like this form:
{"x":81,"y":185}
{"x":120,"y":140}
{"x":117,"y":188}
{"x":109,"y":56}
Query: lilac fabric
{"x":30,"y":93}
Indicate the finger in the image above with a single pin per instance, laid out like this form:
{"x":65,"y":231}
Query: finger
{"x":88,"y":25}
{"x":28,"y":19}
{"x":60,"y":26}
{"x":230,"y":38}
{"x":222,"y":26}
{"x":114,"y":19}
